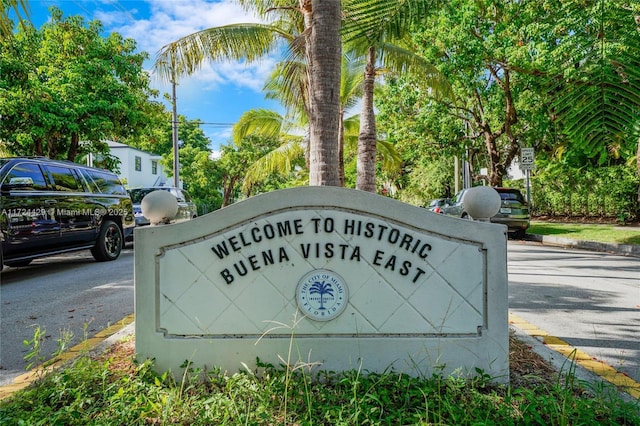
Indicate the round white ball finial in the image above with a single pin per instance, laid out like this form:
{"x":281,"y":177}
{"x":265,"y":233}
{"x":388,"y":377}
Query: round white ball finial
{"x":482,"y":202}
{"x":159,"y":206}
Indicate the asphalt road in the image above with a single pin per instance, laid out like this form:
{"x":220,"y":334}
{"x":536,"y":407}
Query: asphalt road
{"x":590,"y":300}
{"x":60,"y":294}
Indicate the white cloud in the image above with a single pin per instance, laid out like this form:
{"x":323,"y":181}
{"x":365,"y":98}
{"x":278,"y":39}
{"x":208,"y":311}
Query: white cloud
{"x":169,"y":20}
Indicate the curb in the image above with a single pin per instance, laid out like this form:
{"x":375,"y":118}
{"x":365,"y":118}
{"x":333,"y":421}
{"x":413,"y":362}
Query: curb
{"x":621,"y":249}
{"x":98,"y":343}
{"x":568,"y":359}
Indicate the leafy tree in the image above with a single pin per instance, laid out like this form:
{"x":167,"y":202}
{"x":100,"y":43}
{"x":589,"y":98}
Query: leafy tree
{"x":201,"y":176}
{"x":159,"y":138}
{"x":235,"y":162}
{"x":480,"y":47}
{"x":73,"y":85}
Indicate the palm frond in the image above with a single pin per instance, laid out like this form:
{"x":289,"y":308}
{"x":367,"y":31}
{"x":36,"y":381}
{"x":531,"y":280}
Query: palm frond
{"x":400,"y":60}
{"x":19,"y":8}
{"x":262,"y":122}
{"x":351,"y":79}
{"x":391,"y":159}
{"x":379,"y":19}
{"x":279,"y":160}
{"x":596,"y":93}
{"x":248,"y":42}
{"x":288,"y":84}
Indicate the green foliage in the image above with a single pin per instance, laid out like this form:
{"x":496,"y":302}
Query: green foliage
{"x":604,"y":233}
{"x":104,"y":392}
{"x":65,"y":83}
{"x":593,"y":77}
{"x":201,"y":177}
{"x":560,"y":190}
{"x":34,"y":352}
{"x":425,"y":181}
{"x":268,"y":159}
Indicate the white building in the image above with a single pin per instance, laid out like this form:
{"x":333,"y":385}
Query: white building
{"x":138,"y":168}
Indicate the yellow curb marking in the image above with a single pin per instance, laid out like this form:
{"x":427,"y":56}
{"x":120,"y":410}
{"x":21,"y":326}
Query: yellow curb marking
{"x":608,"y":373}
{"x":24,"y":380}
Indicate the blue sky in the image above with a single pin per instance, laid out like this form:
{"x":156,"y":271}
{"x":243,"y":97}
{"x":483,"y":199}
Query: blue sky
{"x":220,"y":92}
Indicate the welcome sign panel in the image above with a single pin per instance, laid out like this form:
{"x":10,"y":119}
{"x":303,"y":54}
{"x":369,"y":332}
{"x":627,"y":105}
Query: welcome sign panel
{"x":339,"y":271}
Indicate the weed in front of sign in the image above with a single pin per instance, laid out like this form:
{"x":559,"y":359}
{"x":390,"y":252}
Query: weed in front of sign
{"x":113,"y":388}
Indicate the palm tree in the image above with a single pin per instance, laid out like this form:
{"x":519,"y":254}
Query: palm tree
{"x":324,"y":53}
{"x":287,"y":85}
{"x":366,"y":36}
{"x":19,"y":7}
{"x":309,"y":29}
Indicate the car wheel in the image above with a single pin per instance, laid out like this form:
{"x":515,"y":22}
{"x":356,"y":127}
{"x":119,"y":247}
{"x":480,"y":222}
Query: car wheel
{"x":519,"y":234}
{"x":109,"y":243}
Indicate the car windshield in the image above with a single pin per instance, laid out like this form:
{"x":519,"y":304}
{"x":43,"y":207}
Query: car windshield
{"x":138,"y":194}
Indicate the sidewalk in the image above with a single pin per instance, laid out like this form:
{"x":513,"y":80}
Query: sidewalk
{"x":620,"y":249}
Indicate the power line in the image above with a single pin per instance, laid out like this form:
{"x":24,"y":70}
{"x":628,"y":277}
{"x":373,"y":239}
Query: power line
{"x":218,"y":124}
{"x":210,"y":123}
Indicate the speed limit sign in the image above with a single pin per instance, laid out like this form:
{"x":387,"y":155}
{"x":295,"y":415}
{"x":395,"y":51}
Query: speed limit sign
{"x":526,"y":159}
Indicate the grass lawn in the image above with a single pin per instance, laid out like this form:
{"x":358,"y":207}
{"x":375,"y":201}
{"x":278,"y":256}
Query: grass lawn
{"x":606,"y":233}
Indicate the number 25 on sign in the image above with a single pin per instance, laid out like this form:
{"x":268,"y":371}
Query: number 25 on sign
{"x":526,"y":158}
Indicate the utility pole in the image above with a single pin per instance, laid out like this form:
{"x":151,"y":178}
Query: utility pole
{"x":176,"y":160}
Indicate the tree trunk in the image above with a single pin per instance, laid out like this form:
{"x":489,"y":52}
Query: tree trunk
{"x":38,"y":149}
{"x":367,"y":138}
{"x":227,"y":191}
{"x":324,"y":55}
{"x":341,"y":147}
{"x":73,"y":148}
{"x":638,"y":162}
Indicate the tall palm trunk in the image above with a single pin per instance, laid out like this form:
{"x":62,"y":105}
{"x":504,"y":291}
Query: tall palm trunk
{"x":324,"y":56}
{"x":366,"y":179}
{"x":638,"y":162}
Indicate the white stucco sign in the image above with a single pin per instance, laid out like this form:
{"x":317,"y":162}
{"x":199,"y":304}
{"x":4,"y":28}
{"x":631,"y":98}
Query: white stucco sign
{"x":355,"y":279}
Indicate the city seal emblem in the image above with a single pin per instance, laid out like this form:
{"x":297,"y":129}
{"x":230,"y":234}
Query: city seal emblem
{"x":322,"y":295}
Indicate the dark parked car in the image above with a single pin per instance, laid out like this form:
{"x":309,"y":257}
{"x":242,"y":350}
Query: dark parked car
{"x":514,"y":210}
{"x":186,"y":207}
{"x":49,"y":207}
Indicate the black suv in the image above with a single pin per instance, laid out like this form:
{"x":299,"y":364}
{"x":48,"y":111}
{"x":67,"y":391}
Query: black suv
{"x":49,"y":207}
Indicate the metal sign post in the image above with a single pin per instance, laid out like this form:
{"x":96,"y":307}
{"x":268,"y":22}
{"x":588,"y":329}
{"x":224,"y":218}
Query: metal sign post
{"x":527,"y":163}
